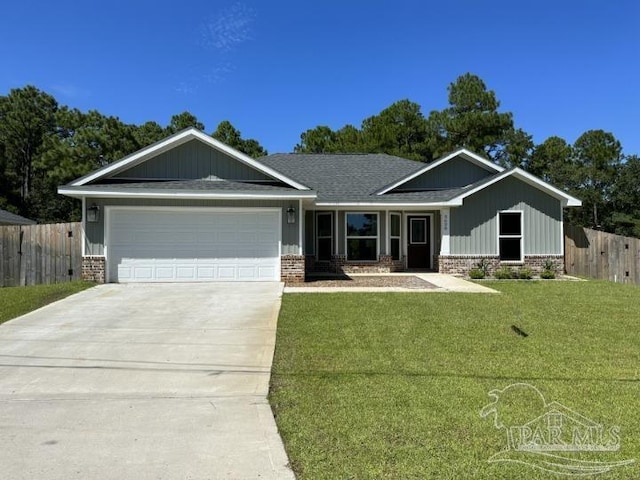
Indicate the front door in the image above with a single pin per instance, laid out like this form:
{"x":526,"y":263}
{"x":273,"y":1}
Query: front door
{"x":418,"y":248}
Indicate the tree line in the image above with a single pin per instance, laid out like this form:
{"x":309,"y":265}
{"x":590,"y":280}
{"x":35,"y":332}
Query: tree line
{"x":44,"y":145}
{"x":594,"y":168}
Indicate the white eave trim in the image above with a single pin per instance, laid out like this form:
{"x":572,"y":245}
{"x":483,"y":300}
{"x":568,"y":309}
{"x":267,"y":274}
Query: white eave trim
{"x":566,"y":199}
{"x":388,"y":205}
{"x":176,"y":140}
{"x":185,"y":194}
{"x":466,"y":154}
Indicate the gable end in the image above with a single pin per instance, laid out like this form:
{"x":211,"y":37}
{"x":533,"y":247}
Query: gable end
{"x":447,"y":175}
{"x":455,"y":173}
{"x":192,"y":161}
{"x":173,"y":142}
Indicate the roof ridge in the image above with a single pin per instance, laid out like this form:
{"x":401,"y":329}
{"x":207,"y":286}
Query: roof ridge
{"x":337,"y":154}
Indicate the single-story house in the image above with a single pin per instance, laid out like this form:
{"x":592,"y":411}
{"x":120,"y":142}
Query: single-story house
{"x":190,"y":208}
{"x":8,"y":218}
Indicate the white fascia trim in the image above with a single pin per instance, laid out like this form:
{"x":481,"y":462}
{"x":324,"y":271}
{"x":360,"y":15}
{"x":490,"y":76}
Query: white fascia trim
{"x":474,"y":158}
{"x":566,"y":199}
{"x":185,"y":194}
{"x":534,"y":181}
{"x":179,"y":139}
{"x":385,"y":206}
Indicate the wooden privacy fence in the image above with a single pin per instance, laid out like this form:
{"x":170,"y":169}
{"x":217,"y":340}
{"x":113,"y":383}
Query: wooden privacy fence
{"x":36,"y":254}
{"x":595,"y":254}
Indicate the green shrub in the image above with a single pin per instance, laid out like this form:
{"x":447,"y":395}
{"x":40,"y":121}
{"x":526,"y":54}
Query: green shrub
{"x":549,"y":265}
{"x":547,"y":274}
{"x":483,"y":266}
{"x":525,"y":273}
{"x":504,"y":273}
{"x":476,"y":273}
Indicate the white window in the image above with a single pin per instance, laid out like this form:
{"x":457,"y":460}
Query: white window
{"x":510,"y":236}
{"x":362,"y":236}
{"x":394,"y":235}
{"x":324,"y":238}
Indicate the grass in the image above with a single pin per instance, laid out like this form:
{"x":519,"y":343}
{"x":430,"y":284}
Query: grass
{"x":16,"y":301}
{"x":391,"y":385}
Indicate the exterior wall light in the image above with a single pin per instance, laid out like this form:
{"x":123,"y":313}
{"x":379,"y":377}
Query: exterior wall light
{"x":291,"y":215}
{"x":93,"y":213}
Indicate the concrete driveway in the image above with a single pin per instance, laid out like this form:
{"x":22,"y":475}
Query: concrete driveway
{"x":141,"y":382}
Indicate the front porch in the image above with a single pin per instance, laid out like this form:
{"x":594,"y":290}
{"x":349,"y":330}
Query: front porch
{"x":371,"y":242}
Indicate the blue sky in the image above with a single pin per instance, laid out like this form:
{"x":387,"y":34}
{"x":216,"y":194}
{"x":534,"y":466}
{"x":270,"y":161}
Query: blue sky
{"x":277,"y":68}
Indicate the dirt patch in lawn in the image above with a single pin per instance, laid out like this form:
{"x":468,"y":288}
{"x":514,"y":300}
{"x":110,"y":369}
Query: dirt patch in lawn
{"x":344,"y":281}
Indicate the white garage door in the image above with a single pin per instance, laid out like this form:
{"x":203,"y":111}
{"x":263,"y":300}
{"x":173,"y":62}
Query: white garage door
{"x":188,"y":245}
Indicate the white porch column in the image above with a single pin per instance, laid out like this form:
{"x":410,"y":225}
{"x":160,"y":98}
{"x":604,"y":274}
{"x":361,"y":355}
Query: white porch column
{"x":335,"y":233}
{"x":445,"y":244}
{"x":301,"y":229}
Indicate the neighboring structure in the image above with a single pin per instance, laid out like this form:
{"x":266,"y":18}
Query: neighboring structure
{"x":190,"y":208}
{"x":8,"y":218}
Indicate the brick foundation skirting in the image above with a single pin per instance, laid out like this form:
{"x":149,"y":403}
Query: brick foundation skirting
{"x":93,"y":269}
{"x":340,"y":264}
{"x":460,"y":265}
{"x":292,"y":268}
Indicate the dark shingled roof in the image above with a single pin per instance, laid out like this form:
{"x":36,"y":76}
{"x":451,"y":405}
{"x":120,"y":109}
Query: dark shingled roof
{"x":334,"y":178}
{"x":354,"y":178}
{"x":8,"y":218}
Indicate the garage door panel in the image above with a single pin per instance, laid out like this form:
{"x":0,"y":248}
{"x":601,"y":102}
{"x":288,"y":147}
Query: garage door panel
{"x":189,"y":245}
{"x":164,"y":272}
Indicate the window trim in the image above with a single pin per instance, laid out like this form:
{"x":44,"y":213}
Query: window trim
{"x":410,"y":239}
{"x":520,"y":237}
{"x":318,"y":236}
{"x":361,"y":237}
{"x":392,"y":237}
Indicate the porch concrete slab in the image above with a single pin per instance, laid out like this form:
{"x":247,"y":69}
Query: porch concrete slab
{"x":442,"y":282}
{"x":143,"y":382}
{"x":451,"y":283}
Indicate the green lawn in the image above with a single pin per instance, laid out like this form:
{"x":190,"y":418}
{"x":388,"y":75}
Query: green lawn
{"x":16,"y":301}
{"x":391,"y":385}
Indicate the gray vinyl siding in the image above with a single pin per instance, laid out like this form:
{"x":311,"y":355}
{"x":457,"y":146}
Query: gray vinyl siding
{"x":193,"y":160}
{"x":457,"y":172}
{"x":95,"y":231}
{"x":474,"y":226}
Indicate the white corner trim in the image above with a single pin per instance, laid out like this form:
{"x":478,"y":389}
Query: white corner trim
{"x":445,"y":229}
{"x":467,"y":155}
{"x":84,"y":228}
{"x":301,"y":218}
{"x":178,"y":139}
{"x":561,"y":231}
